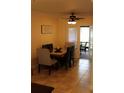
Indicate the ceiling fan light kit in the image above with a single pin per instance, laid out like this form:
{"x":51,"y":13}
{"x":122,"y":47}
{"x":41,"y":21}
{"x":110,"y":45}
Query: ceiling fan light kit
{"x":71,"y":22}
{"x":72,"y":19}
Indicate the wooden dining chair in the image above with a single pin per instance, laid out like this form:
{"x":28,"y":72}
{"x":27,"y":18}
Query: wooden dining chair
{"x":44,"y":59}
{"x":66,"y":59}
{"x":72,"y":55}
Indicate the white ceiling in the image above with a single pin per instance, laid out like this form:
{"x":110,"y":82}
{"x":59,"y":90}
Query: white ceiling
{"x":82,"y":7}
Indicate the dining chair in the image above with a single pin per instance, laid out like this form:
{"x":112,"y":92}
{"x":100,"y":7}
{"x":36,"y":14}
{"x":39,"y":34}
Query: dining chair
{"x":72,"y":54}
{"x":66,"y":59}
{"x":83,"y":46}
{"x":48,"y":46}
{"x":44,"y":59}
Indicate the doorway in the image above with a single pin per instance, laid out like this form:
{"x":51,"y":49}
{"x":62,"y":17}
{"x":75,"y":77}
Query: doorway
{"x":84,"y":42}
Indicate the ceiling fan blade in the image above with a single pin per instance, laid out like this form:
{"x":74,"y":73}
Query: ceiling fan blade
{"x":79,"y":18}
{"x":73,"y":17}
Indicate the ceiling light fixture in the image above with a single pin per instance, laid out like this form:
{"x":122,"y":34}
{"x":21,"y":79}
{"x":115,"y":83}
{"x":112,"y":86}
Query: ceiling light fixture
{"x":72,"y":19}
{"x":71,"y":22}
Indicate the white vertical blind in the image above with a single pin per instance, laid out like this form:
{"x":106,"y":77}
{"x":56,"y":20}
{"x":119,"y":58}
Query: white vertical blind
{"x":72,"y":35}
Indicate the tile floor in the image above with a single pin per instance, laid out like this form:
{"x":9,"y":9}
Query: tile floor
{"x":74,"y":80}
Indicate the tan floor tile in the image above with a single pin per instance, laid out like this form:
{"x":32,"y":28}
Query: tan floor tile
{"x":73,"y":80}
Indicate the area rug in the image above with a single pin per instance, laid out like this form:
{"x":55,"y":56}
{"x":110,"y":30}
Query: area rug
{"x":37,"y":88}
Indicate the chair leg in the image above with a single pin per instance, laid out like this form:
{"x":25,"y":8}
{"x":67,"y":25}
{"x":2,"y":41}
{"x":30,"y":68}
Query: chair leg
{"x":57,"y":66}
{"x":85,"y":50}
{"x":66,"y":66}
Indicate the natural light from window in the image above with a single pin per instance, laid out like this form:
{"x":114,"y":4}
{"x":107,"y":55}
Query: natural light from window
{"x":72,"y":35}
{"x":84,"y":34}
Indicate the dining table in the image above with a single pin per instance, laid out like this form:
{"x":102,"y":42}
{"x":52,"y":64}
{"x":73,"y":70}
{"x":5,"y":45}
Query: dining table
{"x":58,"y":53}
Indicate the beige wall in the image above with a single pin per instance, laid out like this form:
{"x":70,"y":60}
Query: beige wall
{"x":60,"y":31}
{"x":37,"y":39}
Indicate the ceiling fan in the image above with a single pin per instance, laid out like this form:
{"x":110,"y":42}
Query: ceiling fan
{"x":72,"y":17}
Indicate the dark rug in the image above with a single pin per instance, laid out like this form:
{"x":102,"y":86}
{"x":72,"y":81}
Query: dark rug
{"x":37,"y":88}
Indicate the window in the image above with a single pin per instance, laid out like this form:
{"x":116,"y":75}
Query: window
{"x":84,"y":34}
{"x":72,"y":35}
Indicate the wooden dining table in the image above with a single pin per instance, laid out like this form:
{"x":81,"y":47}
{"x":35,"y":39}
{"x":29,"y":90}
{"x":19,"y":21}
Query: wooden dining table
{"x":58,"y":53}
